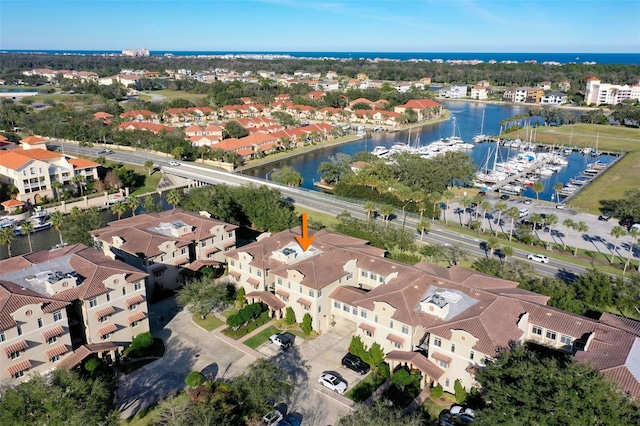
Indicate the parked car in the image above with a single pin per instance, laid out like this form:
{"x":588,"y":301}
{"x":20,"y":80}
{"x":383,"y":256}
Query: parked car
{"x":523,"y":212}
{"x":333,"y":382}
{"x":354,"y":363}
{"x":284,"y":340}
{"x":604,"y":217}
{"x":635,"y":226}
{"x":538,"y":258}
{"x":289,"y":421}
{"x":504,"y":197}
{"x":560,"y":206}
{"x":272,"y":418}
{"x":174,"y":163}
{"x":627,"y":222}
{"x":527,"y":201}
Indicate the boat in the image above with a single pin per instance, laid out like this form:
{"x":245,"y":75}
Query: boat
{"x":39,"y":224}
{"x":481,"y":137}
{"x":380,"y":150}
{"x":7,"y":222}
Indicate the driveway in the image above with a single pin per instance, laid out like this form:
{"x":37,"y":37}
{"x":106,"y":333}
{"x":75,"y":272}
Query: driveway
{"x":188,"y":348}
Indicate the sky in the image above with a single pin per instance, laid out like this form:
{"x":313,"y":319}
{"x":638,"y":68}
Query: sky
{"x":323,"y":26}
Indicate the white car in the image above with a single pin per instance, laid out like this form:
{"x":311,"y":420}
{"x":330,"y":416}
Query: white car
{"x":272,"y":418}
{"x":174,"y":163}
{"x":560,"y":206}
{"x":333,"y":382}
{"x":538,"y":258}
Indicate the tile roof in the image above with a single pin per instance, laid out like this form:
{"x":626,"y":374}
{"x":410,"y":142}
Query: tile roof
{"x":268,"y":298}
{"x":15,"y":347}
{"x":418,"y":360}
{"x":52,"y":332}
{"x":107,"y":330}
{"x":136,"y":299}
{"x":109,"y":310}
{"x":139,"y":316}
{"x":13,"y":297}
{"x":21,"y":366}
{"x":58,"y":350}
{"x":82,"y":163}
{"x":33,"y":140}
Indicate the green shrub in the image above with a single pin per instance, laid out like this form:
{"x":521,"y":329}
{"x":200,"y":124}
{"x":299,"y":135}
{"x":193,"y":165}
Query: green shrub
{"x":290,"y":316}
{"x":460,"y":392}
{"x":384,"y":370}
{"x":243,"y":330}
{"x":194,"y":379}
{"x":142,"y":341}
{"x":240,"y":299}
{"x":234,"y":321}
{"x":306,"y":324}
{"x":91,"y":364}
{"x":436,"y":391}
{"x":358,"y":348}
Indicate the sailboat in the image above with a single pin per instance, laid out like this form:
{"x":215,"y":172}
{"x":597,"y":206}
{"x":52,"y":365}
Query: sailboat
{"x":594,"y":152}
{"x":480,"y":137}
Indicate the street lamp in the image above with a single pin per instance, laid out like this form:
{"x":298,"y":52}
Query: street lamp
{"x":266,"y":177}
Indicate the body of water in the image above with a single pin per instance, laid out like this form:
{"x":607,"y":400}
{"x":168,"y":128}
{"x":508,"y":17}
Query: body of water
{"x":520,"y":57}
{"x":469,"y":122}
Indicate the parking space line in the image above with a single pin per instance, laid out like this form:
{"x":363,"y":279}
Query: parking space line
{"x":330,"y":396}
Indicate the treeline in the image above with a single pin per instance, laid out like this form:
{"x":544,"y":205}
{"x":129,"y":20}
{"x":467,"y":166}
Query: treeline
{"x":11,"y":64}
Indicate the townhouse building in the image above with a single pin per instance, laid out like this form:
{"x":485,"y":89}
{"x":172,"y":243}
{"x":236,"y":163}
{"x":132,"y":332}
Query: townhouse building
{"x":59,"y":306}
{"x":454,"y":92}
{"x":32,"y":169}
{"x":167,"y":246}
{"x":444,"y":322}
{"x":426,"y":108}
{"x":523,"y":95}
{"x":554,"y":98}
{"x":479,"y":93}
{"x":598,"y":93}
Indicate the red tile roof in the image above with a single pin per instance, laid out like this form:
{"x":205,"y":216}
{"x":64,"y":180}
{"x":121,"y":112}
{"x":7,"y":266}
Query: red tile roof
{"x":136,"y":317}
{"x":13,"y":297}
{"x":15,"y":347}
{"x":107,"y":330}
{"x":21,"y":366}
{"x":58,"y":350}
{"x":53,"y":332}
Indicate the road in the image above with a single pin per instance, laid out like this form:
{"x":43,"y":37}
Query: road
{"x":598,"y":237}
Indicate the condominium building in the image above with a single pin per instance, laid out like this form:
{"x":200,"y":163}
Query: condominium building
{"x":445,"y":322}
{"x":167,"y":245}
{"x":598,"y":93}
{"x":59,"y":306}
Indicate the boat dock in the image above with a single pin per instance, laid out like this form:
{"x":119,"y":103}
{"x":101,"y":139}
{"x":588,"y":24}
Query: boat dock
{"x":528,"y":172}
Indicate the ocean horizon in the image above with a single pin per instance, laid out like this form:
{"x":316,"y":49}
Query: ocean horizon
{"x":520,"y":57}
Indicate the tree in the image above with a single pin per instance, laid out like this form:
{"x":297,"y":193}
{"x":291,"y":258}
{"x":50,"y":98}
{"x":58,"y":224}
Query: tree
{"x":580,"y":228}
{"x":6,"y":238}
{"x":149,"y":166}
{"x":149,"y":204}
{"x":447,"y":195}
{"x":194,"y":379}
{"x":56,"y":185}
{"x":460,"y":392}
{"x":112,"y":180}
{"x":204,"y":295}
{"x":380,"y":414}
{"x":174,"y":197}
{"x":423,"y":226}
{"x":535,"y":219}
{"x":465,"y":202}
{"x":617,"y":232}
{"x":79,"y":180}
{"x":485,"y":205}
{"x":177,"y":152}
{"x":26,"y":228}
{"x":203,"y":151}
{"x":401,"y":378}
{"x":287,"y":175}
{"x":57,"y":221}
{"x":386,"y":210}
{"x":501,"y":206}
{"x":118,"y":208}
{"x":369,"y":207}
{"x":557,"y":188}
{"x":357,"y":347}
{"x":513,"y":213}
{"x":634,"y":233}
{"x":538,"y":187}
{"x":290,"y":316}
{"x":306,"y":324}
{"x":570,"y":225}
{"x":507,"y":251}
{"x":523,"y":387}
{"x":233,"y":129}
{"x":132,"y":204}
{"x":492,"y":244}
{"x":454,"y":254}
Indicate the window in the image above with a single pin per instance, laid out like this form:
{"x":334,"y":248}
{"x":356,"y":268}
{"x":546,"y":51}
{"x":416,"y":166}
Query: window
{"x":374,"y":277}
{"x":311,"y":293}
{"x":345,"y":308}
{"x":279,"y":281}
{"x":368,"y":333}
{"x":55,"y":358}
{"x":551,"y":335}
{"x":350,"y":275}
{"x":39,"y":322}
{"x":183,"y":250}
{"x":405,"y":329}
{"x":18,"y":374}
{"x":305,"y":307}
{"x":566,"y":340}
{"x":437,"y":342}
{"x":319,"y":308}
{"x":108,"y":297}
{"x":536,"y":330}
{"x":363,"y":313}
{"x":124,"y":291}
{"x":319,"y":293}
{"x":250,"y":270}
{"x":52,"y":339}
{"x":104,"y":318}
{"x":259,"y":273}
{"x":232,"y":262}
{"x":471,"y":355}
{"x":397,"y":345}
{"x":157,"y":273}
{"x":133,"y":307}
{"x":57,"y":316}
{"x":354,"y":311}
{"x":15,"y":355}
{"x":230,"y":235}
{"x":137,"y":286}
{"x":336,"y":304}
{"x":443,"y":364}
{"x":300,"y":288}
{"x":453,"y":347}
{"x":19,"y":330}
{"x":375,"y":318}
{"x":390,"y":323}
{"x":288,"y":284}
{"x":106,"y":336}
{"x":93,"y":302}
{"x":381,"y":279}
{"x":446,"y":382}
{"x":2,"y":337}
{"x":135,"y":324}
{"x":364,"y":274}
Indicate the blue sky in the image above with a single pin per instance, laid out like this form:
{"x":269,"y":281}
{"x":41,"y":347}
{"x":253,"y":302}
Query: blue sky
{"x":328,"y":25}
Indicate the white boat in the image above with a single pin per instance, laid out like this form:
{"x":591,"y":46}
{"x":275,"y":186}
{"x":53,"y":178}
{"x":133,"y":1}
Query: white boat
{"x":8,"y":222}
{"x":380,"y":150}
{"x":39,"y":224}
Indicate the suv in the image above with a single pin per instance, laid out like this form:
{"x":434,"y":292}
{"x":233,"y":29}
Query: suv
{"x":504,"y":197}
{"x":354,"y":363}
{"x":284,"y":340}
{"x":523,"y":212}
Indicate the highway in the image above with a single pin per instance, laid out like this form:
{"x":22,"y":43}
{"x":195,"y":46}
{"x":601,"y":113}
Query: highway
{"x":321,"y":202}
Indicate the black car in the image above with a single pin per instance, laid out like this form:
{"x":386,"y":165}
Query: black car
{"x":354,"y":363}
{"x":627,"y":222}
{"x":504,"y":197}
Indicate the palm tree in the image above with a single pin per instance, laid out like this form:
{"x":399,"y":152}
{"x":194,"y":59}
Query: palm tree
{"x":149,"y":165}
{"x":174,"y":197}
{"x":634,"y":233}
{"x":536,"y":218}
{"x":551,"y":220}
{"x":202,"y":151}
{"x":513,"y":213}
{"x":26,"y":228}
{"x":492,"y":244}
{"x":57,"y":221}
{"x":501,"y":206}
{"x":79,"y":180}
{"x":570,"y":224}
{"x":538,"y":187}
{"x":118,"y":208}
{"x":177,"y":152}
{"x":149,"y":204}
{"x":485,"y":205}
{"x":448,"y":194}
{"x":56,"y":185}
{"x":477,"y":200}
{"x":507,"y":252}
{"x":386,"y":210}
{"x":132,"y":203}
{"x":369,"y":207}
{"x":580,"y":228}
{"x":558,"y":187}
{"x":423,"y":226}
{"x":617,"y":232}
{"x":465,"y":202}
{"x":6,"y":237}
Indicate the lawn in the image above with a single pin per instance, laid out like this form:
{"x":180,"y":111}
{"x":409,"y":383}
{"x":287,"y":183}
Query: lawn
{"x":230,"y":312}
{"x":176,"y":94}
{"x":364,"y":389}
{"x":435,"y":407}
{"x":326,"y":219}
{"x":261,"y":337}
{"x":210,"y":323}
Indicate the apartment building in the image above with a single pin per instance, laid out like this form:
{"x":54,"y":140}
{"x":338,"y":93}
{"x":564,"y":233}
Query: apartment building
{"x":426,"y":108}
{"x":59,"y":306}
{"x":167,"y":245}
{"x":458,"y":91}
{"x":479,"y":93}
{"x":554,"y":98}
{"x":523,"y":95}
{"x":445,"y":322}
{"x":598,"y":93}
{"x":32,"y":169}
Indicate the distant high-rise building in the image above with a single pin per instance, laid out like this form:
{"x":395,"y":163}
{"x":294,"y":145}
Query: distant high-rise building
{"x":136,"y":52}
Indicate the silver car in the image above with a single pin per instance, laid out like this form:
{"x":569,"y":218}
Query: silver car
{"x":333,"y":382}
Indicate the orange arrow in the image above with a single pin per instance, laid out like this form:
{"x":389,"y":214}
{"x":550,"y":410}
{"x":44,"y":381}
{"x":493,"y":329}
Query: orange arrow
{"x":304,"y":241}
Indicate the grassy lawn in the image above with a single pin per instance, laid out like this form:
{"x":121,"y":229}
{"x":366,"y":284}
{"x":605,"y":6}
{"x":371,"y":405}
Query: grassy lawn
{"x":210,"y":323}
{"x":177,"y":94}
{"x":619,"y":178}
{"x":230,"y":312}
{"x":150,"y":183}
{"x":303,"y":336}
{"x":364,"y":388}
{"x":435,"y":407}
{"x":260,"y":338}
{"x":326,"y":219}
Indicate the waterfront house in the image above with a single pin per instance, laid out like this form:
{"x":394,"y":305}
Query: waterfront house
{"x":444,"y":322}
{"x":426,"y":108}
{"x":479,"y":93}
{"x":163,"y":244}
{"x":599,"y":93}
{"x":554,"y":98}
{"x":59,"y":306}
{"x":457,"y":91}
